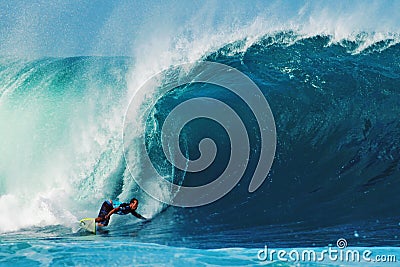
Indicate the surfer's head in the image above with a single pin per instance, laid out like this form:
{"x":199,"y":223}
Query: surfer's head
{"x":133,"y":203}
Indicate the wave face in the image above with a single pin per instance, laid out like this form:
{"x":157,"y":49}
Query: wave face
{"x":336,"y":114}
{"x":336,"y":111}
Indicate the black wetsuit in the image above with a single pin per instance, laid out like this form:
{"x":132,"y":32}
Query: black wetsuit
{"x":124,"y":209}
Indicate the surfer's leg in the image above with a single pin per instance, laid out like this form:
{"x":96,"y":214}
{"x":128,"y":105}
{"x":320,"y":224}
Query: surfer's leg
{"x":106,"y":207}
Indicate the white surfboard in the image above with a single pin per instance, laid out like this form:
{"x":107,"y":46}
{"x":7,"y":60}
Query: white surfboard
{"x":88,"y":224}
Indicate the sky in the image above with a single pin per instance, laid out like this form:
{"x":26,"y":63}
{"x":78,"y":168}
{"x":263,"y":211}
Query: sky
{"x":75,"y":28}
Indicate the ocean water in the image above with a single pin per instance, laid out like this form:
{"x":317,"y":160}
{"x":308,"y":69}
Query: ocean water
{"x":331,"y":78}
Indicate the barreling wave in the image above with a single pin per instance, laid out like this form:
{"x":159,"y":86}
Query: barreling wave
{"x":335,"y":105}
{"x":336,"y":113}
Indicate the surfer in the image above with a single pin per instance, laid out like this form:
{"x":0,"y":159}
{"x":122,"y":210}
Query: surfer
{"x":109,"y":207}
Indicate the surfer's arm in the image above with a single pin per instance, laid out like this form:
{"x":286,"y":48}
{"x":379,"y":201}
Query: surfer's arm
{"x":137,"y":215}
{"x":111,"y":212}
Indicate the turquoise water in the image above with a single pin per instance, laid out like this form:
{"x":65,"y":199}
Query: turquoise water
{"x":103,"y":250}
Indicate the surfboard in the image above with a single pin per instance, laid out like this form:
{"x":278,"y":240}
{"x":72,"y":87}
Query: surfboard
{"x":88,"y":224}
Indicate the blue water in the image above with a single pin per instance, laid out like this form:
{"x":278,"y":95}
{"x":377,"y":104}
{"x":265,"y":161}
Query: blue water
{"x":336,"y":174}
